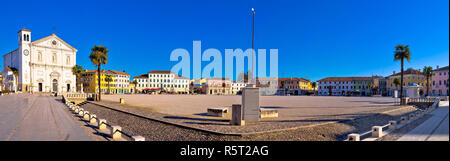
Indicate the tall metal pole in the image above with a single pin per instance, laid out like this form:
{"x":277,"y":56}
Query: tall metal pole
{"x":253,"y":46}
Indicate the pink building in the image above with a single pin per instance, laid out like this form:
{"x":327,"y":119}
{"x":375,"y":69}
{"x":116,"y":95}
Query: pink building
{"x":439,"y":82}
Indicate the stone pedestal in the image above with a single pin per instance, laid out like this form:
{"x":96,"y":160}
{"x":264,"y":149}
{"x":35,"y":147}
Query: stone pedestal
{"x":250,"y":104}
{"x":236,"y":117}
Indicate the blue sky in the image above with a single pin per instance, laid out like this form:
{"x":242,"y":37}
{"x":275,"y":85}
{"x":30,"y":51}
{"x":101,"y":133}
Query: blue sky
{"x":315,"y":39}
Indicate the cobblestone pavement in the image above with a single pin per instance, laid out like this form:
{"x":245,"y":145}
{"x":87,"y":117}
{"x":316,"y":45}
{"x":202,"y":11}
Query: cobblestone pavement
{"x":25,"y":117}
{"x":310,"y":115}
{"x":155,"y":130}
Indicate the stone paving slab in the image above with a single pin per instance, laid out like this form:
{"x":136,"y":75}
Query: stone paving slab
{"x":441,"y":133}
{"x":435,"y":128}
{"x":25,"y":117}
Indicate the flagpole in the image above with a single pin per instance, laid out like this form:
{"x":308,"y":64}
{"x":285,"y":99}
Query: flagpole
{"x":253,"y":47}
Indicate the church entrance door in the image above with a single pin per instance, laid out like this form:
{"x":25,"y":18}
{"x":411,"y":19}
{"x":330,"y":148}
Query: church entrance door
{"x":55,"y":85}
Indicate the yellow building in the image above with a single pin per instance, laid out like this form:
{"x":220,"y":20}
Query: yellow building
{"x":118,"y":84}
{"x":305,"y":84}
{"x":410,"y":76}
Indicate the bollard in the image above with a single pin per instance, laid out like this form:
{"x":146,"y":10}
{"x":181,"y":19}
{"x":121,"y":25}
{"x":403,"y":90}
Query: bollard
{"x":92,"y":116}
{"x":115,"y":132}
{"x":377,"y":131}
{"x":81,"y":113}
{"x":93,"y":120}
{"x":418,"y":114}
{"x":86,"y":115}
{"x":76,"y":110}
{"x":353,"y":137}
{"x":138,"y":138}
{"x":392,"y":125}
{"x":122,"y":101}
{"x":411,"y":116}
{"x":403,"y":120}
{"x":101,"y":124}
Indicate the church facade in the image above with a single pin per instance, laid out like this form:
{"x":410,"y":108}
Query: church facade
{"x":43,"y":65}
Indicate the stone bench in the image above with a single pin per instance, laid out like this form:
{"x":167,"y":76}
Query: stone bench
{"x":268,"y":113}
{"x":219,"y":111}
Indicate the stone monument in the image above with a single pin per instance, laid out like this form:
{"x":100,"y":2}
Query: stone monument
{"x":250,"y":104}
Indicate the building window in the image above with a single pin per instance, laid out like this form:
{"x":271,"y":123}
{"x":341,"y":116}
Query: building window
{"x":68,"y":60}
{"x":40,"y":57}
{"x":54,"y":58}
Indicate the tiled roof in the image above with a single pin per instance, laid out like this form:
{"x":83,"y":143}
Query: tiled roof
{"x":180,"y":77}
{"x":24,"y":30}
{"x":141,"y":76}
{"x":117,"y":72}
{"x":295,"y":79}
{"x":443,"y":68}
{"x":408,"y":71}
{"x":106,"y":72}
{"x":341,"y":79}
{"x":160,"y":71}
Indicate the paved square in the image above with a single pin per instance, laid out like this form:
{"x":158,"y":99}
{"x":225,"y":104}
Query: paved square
{"x":289,"y":107}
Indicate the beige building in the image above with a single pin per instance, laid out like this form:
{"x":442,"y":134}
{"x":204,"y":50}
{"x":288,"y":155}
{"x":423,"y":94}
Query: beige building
{"x":217,"y":86}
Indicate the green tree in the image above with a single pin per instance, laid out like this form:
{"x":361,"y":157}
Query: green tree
{"x":191,"y":87}
{"x":428,"y":72}
{"x":77,"y":70}
{"x":99,"y":56}
{"x":402,"y":52}
{"x":396,"y":82}
{"x":108,"y":79}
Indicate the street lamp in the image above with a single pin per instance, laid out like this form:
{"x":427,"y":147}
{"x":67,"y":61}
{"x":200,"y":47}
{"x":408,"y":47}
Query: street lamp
{"x":251,"y":83}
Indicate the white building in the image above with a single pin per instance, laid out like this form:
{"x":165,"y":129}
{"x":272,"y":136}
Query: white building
{"x":162,"y":80}
{"x":121,"y":81}
{"x":44,"y":65}
{"x":237,"y":86}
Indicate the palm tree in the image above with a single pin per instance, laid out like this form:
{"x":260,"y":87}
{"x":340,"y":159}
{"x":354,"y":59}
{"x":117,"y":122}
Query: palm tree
{"x":428,"y":72}
{"x":191,"y":87}
{"x":98,"y":57}
{"x":402,"y":52}
{"x":134,"y":82}
{"x":108,"y":79}
{"x":396,"y":82}
{"x":77,"y":70}
{"x":16,"y":77}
